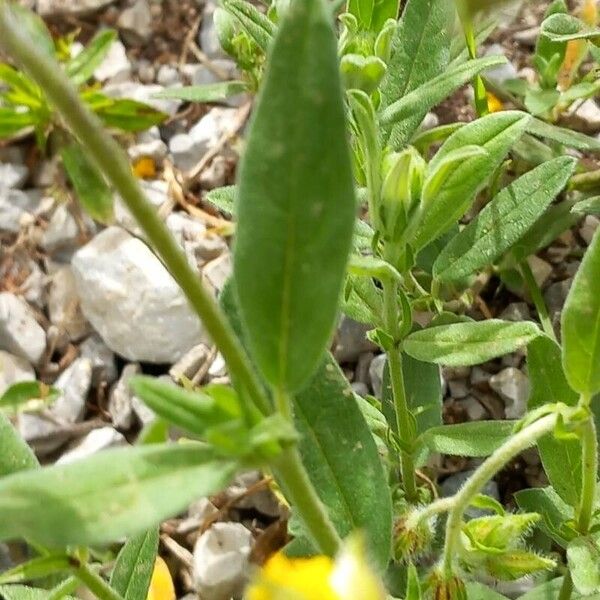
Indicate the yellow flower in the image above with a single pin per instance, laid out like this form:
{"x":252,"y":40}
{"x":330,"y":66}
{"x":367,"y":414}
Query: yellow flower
{"x":494,"y":103}
{"x":144,"y":168}
{"x":161,"y":584}
{"x":318,"y":578}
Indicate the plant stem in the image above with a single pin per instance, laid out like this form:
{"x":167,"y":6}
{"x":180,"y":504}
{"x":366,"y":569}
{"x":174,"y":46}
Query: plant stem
{"x":95,"y":583}
{"x":111,"y":160}
{"x":481,"y":103}
{"x":296,"y":485}
{"x":66,"y":587}
{"x":473,"y":486}
{"x":403,"y":418}
{"x":431,"y":510}
{"x":566,"y":589}
{"x":538,"y":299}
{"x":590,"y":476}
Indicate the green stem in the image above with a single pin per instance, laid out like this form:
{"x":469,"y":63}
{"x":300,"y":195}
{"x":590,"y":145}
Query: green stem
{"x":111,"y":160}
{"x":95,"y":583}
{"x":431,"y":510}
{"x":298,"y":489}
{"x":65,"y":588}
{"x":538,"y":299}
{"x":590,"y":476}
{"x":473,"y":486}
{"x":403,"y":417}
{"x":481,"y":103}
{"x":283,"y":403}
{"x":566,"y":589}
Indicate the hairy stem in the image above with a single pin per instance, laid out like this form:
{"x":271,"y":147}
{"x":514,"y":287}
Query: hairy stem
{"x":403,"y":418}
{"x":590,"y":476}
{"x":473,"y":486}
{"x":111,"y":160}
{"x":566,"y":589}
{"x":538,"y":299}
{"x":95,"y":583}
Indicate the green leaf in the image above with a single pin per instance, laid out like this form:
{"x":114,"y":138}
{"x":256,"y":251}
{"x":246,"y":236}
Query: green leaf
{"x":92,"y":190}
{"x":253,"y":22}
{"x":465,"y":344}
{"x":134,"y":566}
{"x":110,"y":495}
{"x":15,"y":454}
{"x":223,"y":199}
{"x":549,"y":504}
{"x":478,"y":591}
{"x":37,"y":568}
{"x":548,"y":590}
{"x":564,"y":28}
{"x":581,"y":324}
{"x":503,"y":221}
{"x":477,"y":439}
{"x":23,"y":90}
{"x":413,"y":585}
{"x":23,"y":592}
{"x":583,"y":558}
{"x":362,"y":300}
{"x":13,"y":120}
{"x":421,"y":51}
{"x":81,"y":67}
{"x":566,"y":137}
{"x":539,"y":102}
{"x":24,"y":391}
{"x":127,"y":115}
{"x":30,"y":25}
{"x":362,"y":10}
{"x":561,"y":458}
{"x":296,"y":205}
{"x":340,"y":455}
{"x":401,"y":112}
{"x":589,"y":206}
{"x":211,"y":92}
{"x":496,"y":133}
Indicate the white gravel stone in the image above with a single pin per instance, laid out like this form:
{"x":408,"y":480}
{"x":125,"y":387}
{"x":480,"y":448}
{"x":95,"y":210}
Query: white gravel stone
{"x":95,"y":441}
{"x":513,"y":387}
{"x":115,"y":67}
{"x":351,"y":340}
{"x":376,"y":369}
{"x":50,"y":8}
{"x":136,"y":21}
{"x":540,"y":268}
{"x":189,"y":364}
{"x":211,"y":127}
{"x":15,"y":210}
{"x":154,"y":149}
{"x":588,"y":228}
{"x":20,"y":333}
{"x":120,"y":399}
{"x":157,"y":193}
{"x":217,"y":272}
{"x":143,"y":93}
{"x":585,"y":115}
{"x":62,"y":232}
{"x":501,"y":73}
{"x":221,"y":565}
{"x":132,"y":301}
{"x":168,"y":76}
{"x":13,"y":369}
{"x":13,"y":175}
{"x":74,"y":383}
{"x":104,"y":368}
{"x":207,"y":37}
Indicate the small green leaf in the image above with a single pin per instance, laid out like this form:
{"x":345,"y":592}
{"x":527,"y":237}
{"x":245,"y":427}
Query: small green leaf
{"x":110,"y":495}
{"x":465,"y":344}
{"x":581,"y":324}
{"x":589,"y":206}
{"x":496,"y":133}
{"x":13,"y":120}
{"x":223,"y":199}
{"x":92,"y":190}
{"x":539,"y":102}
{"x":23,"y":90}
{"x":81,"y":67}
{"x":296,"y":205}
{"x":478,"y":591}
{"x":36,"y":568}
{"x":24,"y":391}
{"x":503,"y":221}
{"x":564,"y":28}
{"x":413,"y":585}
{"x":134,"y":566}
{"x":15,"y":454}
{"x":477,"y":439}
{"x":342,"y":460}
{"x":583,"y":558}
{"x":23,"y":592}
{"x":127,"y":115}
{"x":362,"y":300}
{"x":253,"y":22}
{"x":211,"y":92}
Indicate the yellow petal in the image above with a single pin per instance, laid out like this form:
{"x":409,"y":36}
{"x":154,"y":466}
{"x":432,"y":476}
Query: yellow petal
{"x":161,"y":584}
{"x":494,"y":103}
{"x":144,"y":168}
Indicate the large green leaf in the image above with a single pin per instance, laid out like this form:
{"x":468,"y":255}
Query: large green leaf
{"x":89,"y":184}
{"x":581,"y":324}
{"x":421,"y":51}
{"x":296,"y":204}
{"x":110,"y":495}
{"x":465,"y":344}
{"x":134,"y":566}
{"x":340,"y":455}
{"x":503,"y":221}
{"x":496,"y":133}
{"x":561,"y":458}
{"x":15,"y":454}
{"x":583,"y":558}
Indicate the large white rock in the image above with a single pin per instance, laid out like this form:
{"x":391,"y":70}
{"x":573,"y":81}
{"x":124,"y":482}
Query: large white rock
{"x":20,"y":333}
{"x":13,"y":369}
{"x":132,"y":301}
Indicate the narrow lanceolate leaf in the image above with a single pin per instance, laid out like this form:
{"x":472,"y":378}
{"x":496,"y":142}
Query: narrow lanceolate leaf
{"x":111,"y":495}
{"x":465,"y":344}
{"x":581,"y":325}
{"x":135,"y":563}
{"x":496,"y":133}
{"x":254,"y":23}
{"x":562,"y":135}
{"x":37,"y":568}
{"x":342,"y":460}
{"x":421,"y":51}
{"x":15,"y":454}
{"x":211,"y":92}
{"x":589,"y":206}
{"x":296,"y":202}
{"x":82,"y":67}
{"x":92,"y":191}
{"x":503,"y":221}
{"x":561,"y":458}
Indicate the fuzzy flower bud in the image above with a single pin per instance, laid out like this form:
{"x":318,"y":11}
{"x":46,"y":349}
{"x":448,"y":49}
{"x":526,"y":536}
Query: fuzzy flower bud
{"x":412,"y":536}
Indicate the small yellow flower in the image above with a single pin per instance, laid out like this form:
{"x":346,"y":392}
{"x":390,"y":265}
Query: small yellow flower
{"x":318,"y":578}
{"x":144,"y":168}
{"x":494,"y":103}
{"x":161,"y":584}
